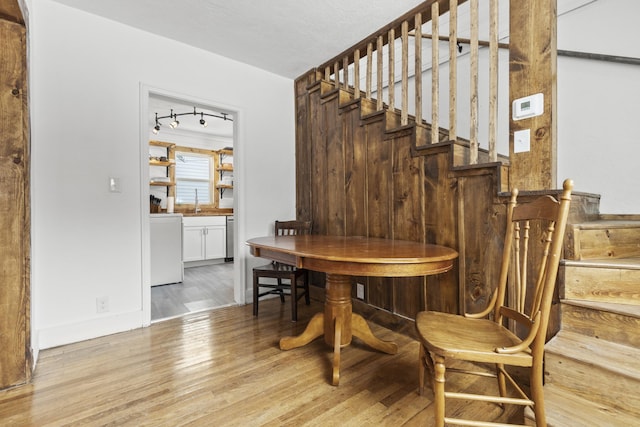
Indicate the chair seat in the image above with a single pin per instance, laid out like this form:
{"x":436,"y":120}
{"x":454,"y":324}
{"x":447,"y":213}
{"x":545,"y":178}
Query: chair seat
{"x":475,"y":340}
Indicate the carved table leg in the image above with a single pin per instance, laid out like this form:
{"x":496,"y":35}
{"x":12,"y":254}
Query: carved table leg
{"x":338,"y":324}
{"x":314,"y":329}
{"x":336,"y":355}
{"x":362,"y":331}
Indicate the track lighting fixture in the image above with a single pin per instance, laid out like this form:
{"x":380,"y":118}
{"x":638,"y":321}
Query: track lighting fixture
{"x":175,"y":123}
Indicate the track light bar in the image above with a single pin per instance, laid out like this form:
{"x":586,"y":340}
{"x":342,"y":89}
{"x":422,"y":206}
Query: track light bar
{"x":175,"y":123}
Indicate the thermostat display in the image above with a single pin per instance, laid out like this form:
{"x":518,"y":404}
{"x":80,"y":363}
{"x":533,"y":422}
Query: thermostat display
{"x":529,"y":106}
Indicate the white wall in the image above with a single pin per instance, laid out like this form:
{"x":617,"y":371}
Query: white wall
{"x":598,"y":108}
{"x":86,"y":74}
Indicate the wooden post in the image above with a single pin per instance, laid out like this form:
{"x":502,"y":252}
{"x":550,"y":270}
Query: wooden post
{"x":15,"y":222}
{"x":532,"y":69}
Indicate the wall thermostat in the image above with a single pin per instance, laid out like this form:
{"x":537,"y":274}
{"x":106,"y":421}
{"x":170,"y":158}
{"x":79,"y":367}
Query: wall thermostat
{"x":529,"y":106}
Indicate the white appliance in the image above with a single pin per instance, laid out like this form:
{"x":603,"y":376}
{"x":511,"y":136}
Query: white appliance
{"x":166,"y":249}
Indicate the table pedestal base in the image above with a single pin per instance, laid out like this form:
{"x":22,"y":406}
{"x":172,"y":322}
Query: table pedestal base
{"x":338,"y":324}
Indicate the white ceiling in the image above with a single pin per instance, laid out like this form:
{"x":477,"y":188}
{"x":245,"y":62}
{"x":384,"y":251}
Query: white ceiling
{"x":285,"y":37}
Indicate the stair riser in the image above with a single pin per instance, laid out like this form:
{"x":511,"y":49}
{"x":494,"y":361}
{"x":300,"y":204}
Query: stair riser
{"x":617,"y":285}
{"x":593,"y":382}
{"x":607,"y":326}
{"x":606,"y":243}
{"x":565,"y":409}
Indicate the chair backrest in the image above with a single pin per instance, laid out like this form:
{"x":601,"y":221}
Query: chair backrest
{"x":530,"y":260}
{"x":292,"y":228}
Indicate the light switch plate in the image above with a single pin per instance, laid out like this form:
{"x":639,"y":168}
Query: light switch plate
{"x":521,"y":141}
{"x":114,"y":184}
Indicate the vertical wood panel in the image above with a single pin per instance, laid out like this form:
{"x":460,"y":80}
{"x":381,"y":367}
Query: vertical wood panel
{"x":334,"y":164}
{"x":317,"y":135}
{"x":355,"y":152}
{"x":408,"y":217}
{"x":482,"y":224}
{"x":15,"y":221}
{"x":303,"y":151}
{"x":379,"y":194}
{"x":441,"y":228}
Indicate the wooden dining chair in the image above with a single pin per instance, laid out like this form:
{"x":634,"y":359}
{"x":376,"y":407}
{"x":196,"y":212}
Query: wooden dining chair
{"x":282,"y":279}
{"x":515,"y":332}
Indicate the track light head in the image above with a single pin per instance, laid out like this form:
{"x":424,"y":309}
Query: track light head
{"x":156,"y":128}
{"x":203,"y":122}
{"x":175,"y":123}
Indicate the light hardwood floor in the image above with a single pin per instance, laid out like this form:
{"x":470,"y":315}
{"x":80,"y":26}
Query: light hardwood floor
{"x":224,"y":368}
{"x":203,"y":288}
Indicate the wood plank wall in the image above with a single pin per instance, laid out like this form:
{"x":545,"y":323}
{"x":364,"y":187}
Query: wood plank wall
{"x":360,"y":172}
{"x":371,"y":176}
{"x":15,"y":342}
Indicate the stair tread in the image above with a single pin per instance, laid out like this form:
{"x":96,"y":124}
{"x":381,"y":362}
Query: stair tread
{"x":632,"y":310}
{"x":565,"y":409}
{"x":631,"y":263}
{"x":607,"y":223}
{"x":621,"y":359}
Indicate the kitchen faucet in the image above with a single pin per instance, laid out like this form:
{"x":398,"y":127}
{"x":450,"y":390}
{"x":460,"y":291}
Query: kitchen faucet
{"x":197,"y":209}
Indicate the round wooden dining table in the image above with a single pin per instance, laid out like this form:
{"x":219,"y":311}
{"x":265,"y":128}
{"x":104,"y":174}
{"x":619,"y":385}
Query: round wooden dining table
{"x":341,"y":257}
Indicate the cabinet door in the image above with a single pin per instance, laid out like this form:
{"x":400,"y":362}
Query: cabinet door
{"x":193,"y":244}
{"x":215,"y":242}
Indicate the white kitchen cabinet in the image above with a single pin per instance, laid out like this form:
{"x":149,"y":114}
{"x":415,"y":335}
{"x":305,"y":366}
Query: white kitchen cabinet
{"x":204,"y":238}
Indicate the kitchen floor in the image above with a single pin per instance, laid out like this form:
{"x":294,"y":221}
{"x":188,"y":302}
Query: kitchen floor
{"x":203,"y":288}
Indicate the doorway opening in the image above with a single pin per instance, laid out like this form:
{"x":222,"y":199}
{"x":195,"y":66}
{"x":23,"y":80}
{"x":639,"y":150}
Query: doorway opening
{"x":215,"y":280}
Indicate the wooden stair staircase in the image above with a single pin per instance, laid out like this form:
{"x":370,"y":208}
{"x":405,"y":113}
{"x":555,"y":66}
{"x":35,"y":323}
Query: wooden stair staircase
{"x":592,"y":366}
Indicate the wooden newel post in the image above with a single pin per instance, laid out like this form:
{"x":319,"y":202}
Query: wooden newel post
{"x":337,"y":309}
{"x":532,"y":70}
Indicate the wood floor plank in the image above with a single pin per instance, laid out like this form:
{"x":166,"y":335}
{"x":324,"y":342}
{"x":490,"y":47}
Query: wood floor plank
{"x":223,"y":368}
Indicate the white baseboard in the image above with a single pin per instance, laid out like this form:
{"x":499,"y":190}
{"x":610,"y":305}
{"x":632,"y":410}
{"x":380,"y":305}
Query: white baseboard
{"x":92,"y":328}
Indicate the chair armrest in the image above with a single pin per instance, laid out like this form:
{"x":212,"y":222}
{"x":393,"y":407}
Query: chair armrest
{"x":486,"y":311}
{"x":533,"y":324}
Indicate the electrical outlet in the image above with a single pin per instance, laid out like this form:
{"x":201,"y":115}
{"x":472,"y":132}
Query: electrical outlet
{"x":102,"y":304}
{"x":360,"y":291}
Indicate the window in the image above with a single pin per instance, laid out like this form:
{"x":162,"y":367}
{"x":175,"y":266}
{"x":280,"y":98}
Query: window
{"x":194,"y":175}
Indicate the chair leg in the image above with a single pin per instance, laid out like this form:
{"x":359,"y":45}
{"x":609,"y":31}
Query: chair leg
{"x":280,"y":289}
{"x":255,"y":294}
{"x":294,"y":298}
{"x":502,"y":382}
{"x":438,"y":390}
{"x":537,"y":395}
{"x":307,"y":296}
{"x":421,"y":368}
